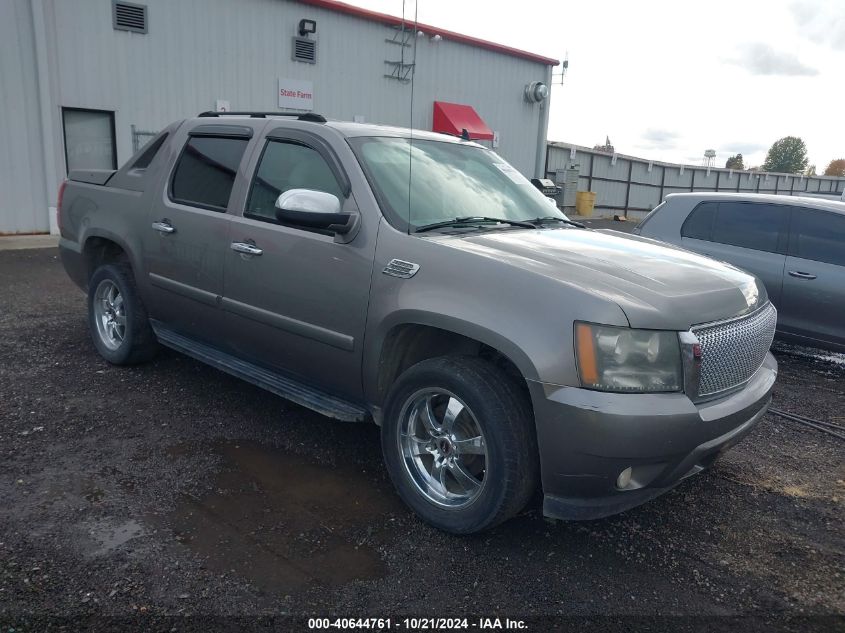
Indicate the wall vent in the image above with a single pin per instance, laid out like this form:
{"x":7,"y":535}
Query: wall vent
{"x":304,"y":50}
{"x":127,"y":16}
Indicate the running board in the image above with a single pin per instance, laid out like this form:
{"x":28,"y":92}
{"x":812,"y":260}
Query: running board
{"x":283,"y":386}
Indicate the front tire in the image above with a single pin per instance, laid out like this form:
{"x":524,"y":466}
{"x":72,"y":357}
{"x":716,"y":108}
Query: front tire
{"x":459,"y":443}
{"x":117,"y":318}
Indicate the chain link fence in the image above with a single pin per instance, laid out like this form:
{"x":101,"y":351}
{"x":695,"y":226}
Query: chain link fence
{"x":139,"y":137}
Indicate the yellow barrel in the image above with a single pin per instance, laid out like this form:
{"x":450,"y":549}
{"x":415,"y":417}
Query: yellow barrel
{"x":584,"y":203}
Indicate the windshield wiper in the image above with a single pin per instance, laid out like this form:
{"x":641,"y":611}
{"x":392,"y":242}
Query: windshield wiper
{"x":473,"y":220}
{"x":553,"y":218}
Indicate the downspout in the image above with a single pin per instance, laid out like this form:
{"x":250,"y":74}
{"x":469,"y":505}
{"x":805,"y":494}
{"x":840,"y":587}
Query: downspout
{"x":543,"y":129}
{"x":45,"y":103}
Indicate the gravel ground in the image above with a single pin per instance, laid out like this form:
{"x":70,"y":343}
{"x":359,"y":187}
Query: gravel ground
{"x":173,"y":489}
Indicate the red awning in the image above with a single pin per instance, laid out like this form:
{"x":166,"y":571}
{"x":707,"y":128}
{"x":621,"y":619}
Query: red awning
{"x":454,"y":118}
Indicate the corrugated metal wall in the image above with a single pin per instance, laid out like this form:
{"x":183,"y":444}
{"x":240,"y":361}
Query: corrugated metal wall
{"x":624,"y":184}
{"x":23,"y":196}
{"x":198,"y":51}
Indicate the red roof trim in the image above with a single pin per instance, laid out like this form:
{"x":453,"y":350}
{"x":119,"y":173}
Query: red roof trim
{"x":384,"y":18}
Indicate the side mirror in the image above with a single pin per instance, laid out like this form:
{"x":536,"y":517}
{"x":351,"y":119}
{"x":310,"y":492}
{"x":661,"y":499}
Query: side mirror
{"x":313,"y":209}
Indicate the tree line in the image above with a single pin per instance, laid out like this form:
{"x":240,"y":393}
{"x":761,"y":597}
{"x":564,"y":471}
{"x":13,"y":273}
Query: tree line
{"x":788,"y":155}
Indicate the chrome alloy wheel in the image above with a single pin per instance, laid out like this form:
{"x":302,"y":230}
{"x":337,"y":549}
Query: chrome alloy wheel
{"x":110,"y":314}
{"x":443,"y":448}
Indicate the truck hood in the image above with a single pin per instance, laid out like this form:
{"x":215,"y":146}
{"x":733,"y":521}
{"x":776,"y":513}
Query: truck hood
{"x":658,"y":286}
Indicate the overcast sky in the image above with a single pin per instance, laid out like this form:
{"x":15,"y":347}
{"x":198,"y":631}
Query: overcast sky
{"x":667,"y":79}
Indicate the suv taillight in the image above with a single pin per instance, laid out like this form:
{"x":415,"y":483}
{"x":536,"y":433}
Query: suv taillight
{"x":59,"y":204}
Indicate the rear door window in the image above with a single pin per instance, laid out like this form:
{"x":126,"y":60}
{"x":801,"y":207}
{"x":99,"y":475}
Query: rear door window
{"x":205,"y":173}
{"x":818,"y":236}
{"x":699,"y":224}
{"x":751,"y":225}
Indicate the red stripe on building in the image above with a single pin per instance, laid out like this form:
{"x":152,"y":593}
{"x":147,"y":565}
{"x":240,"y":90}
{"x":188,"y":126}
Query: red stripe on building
{"x":390,"y":20}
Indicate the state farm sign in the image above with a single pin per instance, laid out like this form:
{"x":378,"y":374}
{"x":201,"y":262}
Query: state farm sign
{"x":296,"y":94}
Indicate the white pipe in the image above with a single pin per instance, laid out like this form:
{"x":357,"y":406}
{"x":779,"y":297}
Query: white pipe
{"x":45,"y":102}
{"x":543,"y":129}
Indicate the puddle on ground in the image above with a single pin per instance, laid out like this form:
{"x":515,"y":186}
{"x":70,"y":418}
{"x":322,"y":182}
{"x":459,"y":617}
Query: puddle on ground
{"x":109,"y":536}
{"x":283,"y":521}
{"x":811,"y":353}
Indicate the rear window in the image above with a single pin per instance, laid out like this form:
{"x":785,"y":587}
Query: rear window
{"x":651,"y":214}
{"x":819,"y":236}
{"x":699,"y":224}
{"x":205,"y":173}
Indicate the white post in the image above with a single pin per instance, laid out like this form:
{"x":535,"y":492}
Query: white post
{"x":46,"y":111}
{"x":543,"y":129}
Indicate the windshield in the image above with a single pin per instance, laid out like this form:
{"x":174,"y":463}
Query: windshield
{"x":448,"y":180}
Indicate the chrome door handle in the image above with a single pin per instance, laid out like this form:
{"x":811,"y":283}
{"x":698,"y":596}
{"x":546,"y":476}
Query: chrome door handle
{"x":800,"y":275}
{"x":245,"y":248}
{"x":163,"y":227}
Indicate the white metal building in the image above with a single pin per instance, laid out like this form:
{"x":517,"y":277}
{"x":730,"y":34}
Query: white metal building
{"x":81,"y":81}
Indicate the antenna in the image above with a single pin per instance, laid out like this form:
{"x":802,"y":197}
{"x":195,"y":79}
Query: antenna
{"x":411,"y":126}
{"x":557,"y":77}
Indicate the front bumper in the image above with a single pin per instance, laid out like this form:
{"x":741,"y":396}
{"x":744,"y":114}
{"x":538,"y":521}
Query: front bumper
{"x":587,"y":438}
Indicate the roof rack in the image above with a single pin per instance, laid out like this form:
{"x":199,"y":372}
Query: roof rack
{"x":302,"y":116}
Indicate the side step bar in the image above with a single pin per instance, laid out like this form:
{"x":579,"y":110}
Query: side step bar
{"x":283,"y":386}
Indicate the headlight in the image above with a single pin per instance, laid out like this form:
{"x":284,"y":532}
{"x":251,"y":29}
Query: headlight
{"x":625,"y":360}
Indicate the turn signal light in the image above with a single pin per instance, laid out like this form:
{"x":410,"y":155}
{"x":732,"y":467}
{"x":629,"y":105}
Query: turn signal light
{"x":586,"y":353}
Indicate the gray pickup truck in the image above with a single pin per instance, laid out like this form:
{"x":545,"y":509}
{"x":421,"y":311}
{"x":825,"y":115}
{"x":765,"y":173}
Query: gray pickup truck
{"x":419,"y":281}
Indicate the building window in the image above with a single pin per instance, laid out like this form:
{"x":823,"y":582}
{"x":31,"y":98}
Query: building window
{"x":89,"y":139}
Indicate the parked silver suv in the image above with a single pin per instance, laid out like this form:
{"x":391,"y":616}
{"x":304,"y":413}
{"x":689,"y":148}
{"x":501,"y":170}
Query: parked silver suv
{"x":795,"y":245}
{"x":419,"y":281}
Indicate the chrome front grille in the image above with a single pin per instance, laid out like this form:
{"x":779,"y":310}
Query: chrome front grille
{"x":732,"y":351}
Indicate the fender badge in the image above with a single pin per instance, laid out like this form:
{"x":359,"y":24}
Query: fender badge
{"x":400,"y":268}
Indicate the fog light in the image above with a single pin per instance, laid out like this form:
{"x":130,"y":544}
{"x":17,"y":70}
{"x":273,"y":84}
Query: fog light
{"x":624,"y":478}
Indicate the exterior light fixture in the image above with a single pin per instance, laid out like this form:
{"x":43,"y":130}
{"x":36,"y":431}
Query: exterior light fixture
{"x":306,"y":27}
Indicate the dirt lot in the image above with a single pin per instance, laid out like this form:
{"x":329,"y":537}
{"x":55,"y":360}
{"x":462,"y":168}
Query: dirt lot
{"x":173,"y":489}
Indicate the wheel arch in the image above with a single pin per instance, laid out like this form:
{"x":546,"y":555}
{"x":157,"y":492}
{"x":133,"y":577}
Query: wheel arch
{"x":410,"y":338}
{"x":101,"y":247}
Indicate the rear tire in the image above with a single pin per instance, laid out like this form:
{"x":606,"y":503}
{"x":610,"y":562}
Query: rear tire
{"x":117,"y":318}
{"x":459,"y":443}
